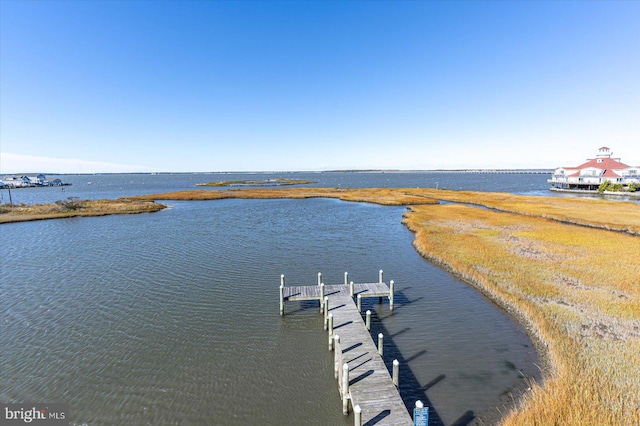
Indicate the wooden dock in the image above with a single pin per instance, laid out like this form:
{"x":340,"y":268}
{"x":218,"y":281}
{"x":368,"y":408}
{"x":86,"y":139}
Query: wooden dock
{"x":365,"y":385}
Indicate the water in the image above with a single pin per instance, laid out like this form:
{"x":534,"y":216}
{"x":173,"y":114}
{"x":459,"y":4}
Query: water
{"x":118,"y":185}
{"x":172,"y":317}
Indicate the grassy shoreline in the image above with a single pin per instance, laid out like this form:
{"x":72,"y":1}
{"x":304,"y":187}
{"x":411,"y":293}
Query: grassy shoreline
{"x":568,"y":269}
{"x":75,"y":208}
{"x":583,"y":315}
{"x":266,"y":182}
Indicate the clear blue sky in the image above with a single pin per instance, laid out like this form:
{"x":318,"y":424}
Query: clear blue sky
{"x":94,"y":86}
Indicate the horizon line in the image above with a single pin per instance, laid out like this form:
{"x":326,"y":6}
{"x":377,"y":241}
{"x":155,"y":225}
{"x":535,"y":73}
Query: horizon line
{"x":459,"y":170}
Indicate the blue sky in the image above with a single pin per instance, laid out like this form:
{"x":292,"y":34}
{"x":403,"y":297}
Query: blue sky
{"x":188,"y":86}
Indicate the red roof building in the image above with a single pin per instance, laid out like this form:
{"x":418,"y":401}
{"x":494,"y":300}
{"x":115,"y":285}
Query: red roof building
{"x":590,"y":175}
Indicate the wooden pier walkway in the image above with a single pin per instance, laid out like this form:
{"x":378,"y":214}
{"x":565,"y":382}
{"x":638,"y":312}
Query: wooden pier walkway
{"x":358,"y":361}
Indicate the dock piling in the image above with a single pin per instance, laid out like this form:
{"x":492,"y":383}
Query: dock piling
{"x":391,"y":290}
{"x":346,"y":278}
{"x":380,"y":276}
{"x":330,"y":326}
{"x":357,"y":416}
{"x":380,"y":343}
{"x":319,"y":278}
{"x":321,"y":297}
{"x":337,"y":355}
{"x":326,"y":311}
{"x":351,"y":289}
{"x":367,"y":321}
{"x":396,"y":372}
{"x":345,"y":389}
{"x":360,"y":303}
{"x":282,"y":295}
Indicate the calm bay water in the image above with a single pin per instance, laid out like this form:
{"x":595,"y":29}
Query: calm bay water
{"x":172,"y":317}
{"x":114,"y":185}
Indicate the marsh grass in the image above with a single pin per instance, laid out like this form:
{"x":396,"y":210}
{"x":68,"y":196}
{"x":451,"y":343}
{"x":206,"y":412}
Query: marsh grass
{"x":577,"y":288}
{"x":580,"y":211}
{"x":266,"y":182}
{"x":384,"y":196}
{"x":74,"y":207}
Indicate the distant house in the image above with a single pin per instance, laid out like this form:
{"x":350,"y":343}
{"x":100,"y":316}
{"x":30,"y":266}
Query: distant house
{"x":16,"y":181}
{"x":26,"y":180}
{"x":37,"y":179}
{"x":590,"y":175}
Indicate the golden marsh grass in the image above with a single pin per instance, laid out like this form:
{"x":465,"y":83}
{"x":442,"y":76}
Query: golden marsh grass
{"x":72,"y":208}
{"x":587,"y":212}
{"x":576,"y":288}
{"x":384,"y":196}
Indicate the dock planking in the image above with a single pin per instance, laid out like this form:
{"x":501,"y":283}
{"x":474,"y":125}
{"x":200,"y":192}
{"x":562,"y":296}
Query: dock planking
{"x":371,"y":386}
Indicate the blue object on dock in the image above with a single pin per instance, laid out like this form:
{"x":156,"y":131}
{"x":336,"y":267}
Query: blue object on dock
{"x":421,"y":416}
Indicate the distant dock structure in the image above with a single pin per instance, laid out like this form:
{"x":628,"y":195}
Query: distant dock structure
{"x":30,"y":180}
{"x":365,"y":385}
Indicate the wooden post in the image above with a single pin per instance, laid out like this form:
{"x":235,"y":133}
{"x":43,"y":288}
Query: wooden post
{"x":336,"y":355}
{"x":367,"y":321}
{"x":380,"y":282}
{"x":346,"y":278}
{"x":345,"y":389}
{"x":380,"y":343}
{"x":351,"y":290}
{"x":281,"y":300}
{"x":330,"y":342}
{"x":391,"y":289}
{"x":396,"y":372}
{"x":360,"y":303}
{"x":326,"y":311}
{"x":321,"y":297}
{"x":330,"y":324}
{"x":357,"y":416}
{"x":319,"y":278}
{"x":281,"y":294}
